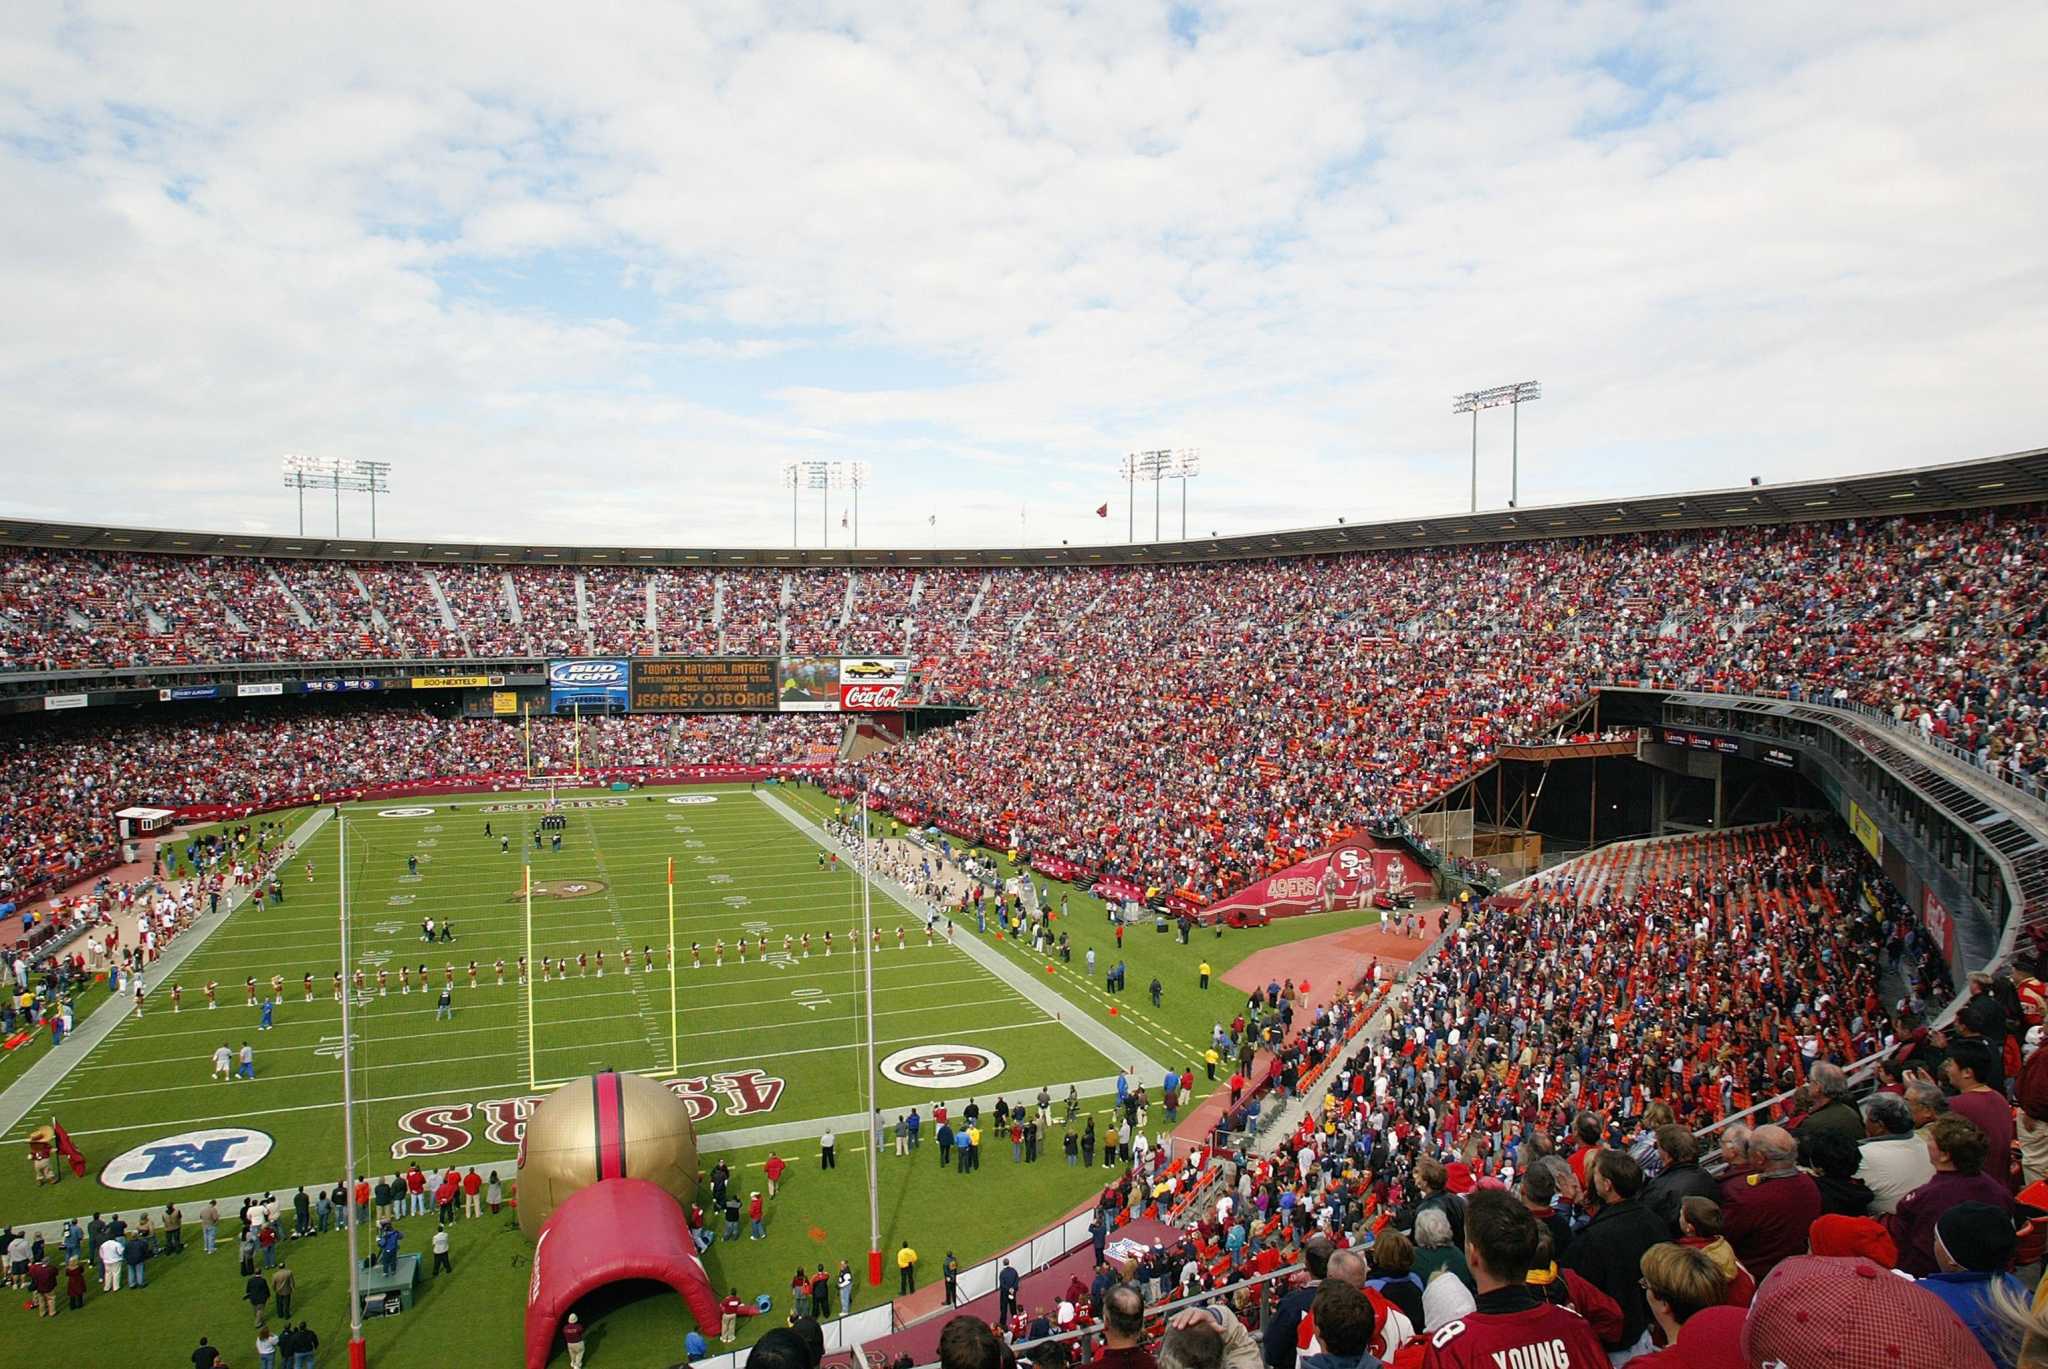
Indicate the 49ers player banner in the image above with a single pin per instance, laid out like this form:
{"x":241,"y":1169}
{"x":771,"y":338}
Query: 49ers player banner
{"x":1346,"y":876}
{"x":873,"y":684}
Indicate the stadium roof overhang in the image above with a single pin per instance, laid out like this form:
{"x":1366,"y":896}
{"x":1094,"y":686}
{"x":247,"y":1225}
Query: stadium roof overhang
{"x":2015,"y":479}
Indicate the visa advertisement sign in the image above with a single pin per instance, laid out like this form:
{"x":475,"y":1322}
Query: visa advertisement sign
{"x":587,"y":686}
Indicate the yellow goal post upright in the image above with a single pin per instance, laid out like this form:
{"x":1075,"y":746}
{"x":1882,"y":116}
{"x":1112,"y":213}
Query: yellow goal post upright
{"x":532,"y":965}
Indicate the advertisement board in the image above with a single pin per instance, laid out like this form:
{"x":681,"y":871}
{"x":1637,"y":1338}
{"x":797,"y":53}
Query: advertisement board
{"x":259,"y":691}
{"x":456,"y":681}
{"x":504,"y":703}
{"x":597,"y":685}
{"x":188,"y":692}
{"x":872,"y":684}
{"x":1344,"y":877}
{"x":1934,"y":915}
{"x":740,"y":684}
{"x":808,"y":684}
{"x":53,"y":702}
{"x":342,"y":686}
{"x":1866,"y":831}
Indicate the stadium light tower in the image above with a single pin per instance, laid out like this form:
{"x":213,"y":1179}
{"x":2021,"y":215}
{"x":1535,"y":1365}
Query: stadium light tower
{"x":1187,"y":464}
{"x":1472,"y":402}
{"x":337,"y":473}
{"x":798,"y":476}
{"x":1154,"y":466}
{"x":857,"y":475}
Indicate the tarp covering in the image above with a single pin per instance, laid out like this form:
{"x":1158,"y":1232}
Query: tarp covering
{"x":612,"y":1231}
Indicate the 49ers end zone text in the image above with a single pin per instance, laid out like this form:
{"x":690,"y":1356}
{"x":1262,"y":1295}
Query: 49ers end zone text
{"x":445,"y":1128}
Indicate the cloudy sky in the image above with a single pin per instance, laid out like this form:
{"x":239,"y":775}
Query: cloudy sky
{"x":593,"y":272}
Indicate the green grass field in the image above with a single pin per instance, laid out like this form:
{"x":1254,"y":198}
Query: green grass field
{"x":739,"y":1027}
{"x":422,"y":1084}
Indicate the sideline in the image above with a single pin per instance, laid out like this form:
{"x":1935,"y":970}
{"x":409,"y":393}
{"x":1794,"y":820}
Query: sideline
{"x":18,"y":1099}
{"x":1055,"y":1005}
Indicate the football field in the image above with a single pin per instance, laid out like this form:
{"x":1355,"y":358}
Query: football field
{"x":774,"y":1038}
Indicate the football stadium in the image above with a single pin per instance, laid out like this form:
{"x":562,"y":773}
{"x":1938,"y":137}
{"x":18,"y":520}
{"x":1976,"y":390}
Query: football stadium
{"x":1572,"y":912}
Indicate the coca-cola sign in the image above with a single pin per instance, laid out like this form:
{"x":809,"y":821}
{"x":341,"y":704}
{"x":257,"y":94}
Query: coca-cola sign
{"x":870,"y":698}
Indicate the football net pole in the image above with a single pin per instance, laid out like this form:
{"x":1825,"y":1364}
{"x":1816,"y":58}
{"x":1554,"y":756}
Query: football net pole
{"x":867,"y":936}
{"x":357,"y":1350}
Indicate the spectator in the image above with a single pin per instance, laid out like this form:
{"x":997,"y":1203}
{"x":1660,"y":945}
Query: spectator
{"x":1509,"y":1316}
{"x":1767,"y":1212}
{"x":1123,"y":1330}
{"x":1684,"y":1289}
{"x":1968,"y":1067}
{"x":1836,"y":1114}
{"x":1391,"y":1264}
{"x":1894,"y":1159}
{"x":1681,"y":1177}
{"x":1833,"y":1160}
{"x":1973,"y":1249}
{"x":1814,"y":1308}
{"x":1699,"y":1221}
{"x":1957,"y":1148}
{"x":1609,"y":1253}
{"x":1434,"y":1252}
{"x":967,"y":1343}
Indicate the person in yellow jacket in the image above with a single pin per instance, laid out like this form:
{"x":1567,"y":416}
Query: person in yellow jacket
{"x":1205,"y":974}
{"x":906,"y":1269}
{"x":1210,"y":1059}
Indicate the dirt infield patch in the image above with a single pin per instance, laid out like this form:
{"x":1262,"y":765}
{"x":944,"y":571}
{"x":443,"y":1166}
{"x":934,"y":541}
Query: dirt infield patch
{"x":1328,"y":963}
{"x":564,"y":888}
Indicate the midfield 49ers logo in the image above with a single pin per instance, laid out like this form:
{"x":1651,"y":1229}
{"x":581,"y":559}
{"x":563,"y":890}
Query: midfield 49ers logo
{"x":447,"y":1127}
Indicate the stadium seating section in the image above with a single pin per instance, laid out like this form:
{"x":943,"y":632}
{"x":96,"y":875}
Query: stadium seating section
{"x":1186,"y":727}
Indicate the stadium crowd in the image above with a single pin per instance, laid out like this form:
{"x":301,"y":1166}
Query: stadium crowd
{"x":65,"y":777}
{"x":1513,"y":1157}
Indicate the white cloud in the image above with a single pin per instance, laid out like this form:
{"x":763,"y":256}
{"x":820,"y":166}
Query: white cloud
{"x":1728,"y":238}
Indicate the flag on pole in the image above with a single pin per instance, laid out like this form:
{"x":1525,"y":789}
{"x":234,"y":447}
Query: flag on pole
{"x":842,"y":518}
{"x":1102,"y":511}
{"x":671,"y":869}
{"x":933,"y":520}
{"x":68,"y":1149}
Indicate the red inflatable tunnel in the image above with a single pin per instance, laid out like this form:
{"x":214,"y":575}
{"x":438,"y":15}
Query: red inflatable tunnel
{"x":619,"y":1229}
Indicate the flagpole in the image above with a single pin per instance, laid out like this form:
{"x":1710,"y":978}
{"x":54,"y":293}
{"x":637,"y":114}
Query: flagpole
{"x":576,"y":713}
{"x":867,"y":935}
{"x":675,"y":1059}
{"x":357,"y":1350}
{"x":527,"y":728}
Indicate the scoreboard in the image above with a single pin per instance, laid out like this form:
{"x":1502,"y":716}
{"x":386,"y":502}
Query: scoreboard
{"x":704,"y":685}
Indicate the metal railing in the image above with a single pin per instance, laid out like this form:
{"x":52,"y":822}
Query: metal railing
{"x":2034,"y":788}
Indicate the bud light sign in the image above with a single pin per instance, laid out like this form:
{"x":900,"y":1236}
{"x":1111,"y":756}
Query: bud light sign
{"x":593,"y":686}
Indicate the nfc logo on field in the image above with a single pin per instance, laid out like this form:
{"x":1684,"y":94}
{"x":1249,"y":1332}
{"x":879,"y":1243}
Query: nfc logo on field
{"x":186,"y":1159}
{"x":944,"y":1067}
{"x":405,"y":812}
{"x":694,"y":798}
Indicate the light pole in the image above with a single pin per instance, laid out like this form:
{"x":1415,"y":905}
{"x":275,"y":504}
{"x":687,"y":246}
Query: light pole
{"x":1154,"y":466}
{"x":1187,"y":464}
{"x":857,"y":474}
{"x":1472,"y":401}
{"x":338,"y":473}
{"x":823,"y":476}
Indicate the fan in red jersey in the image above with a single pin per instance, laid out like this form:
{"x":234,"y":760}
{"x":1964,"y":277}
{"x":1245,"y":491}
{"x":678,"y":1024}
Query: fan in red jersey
{"x":1513,"y":1326}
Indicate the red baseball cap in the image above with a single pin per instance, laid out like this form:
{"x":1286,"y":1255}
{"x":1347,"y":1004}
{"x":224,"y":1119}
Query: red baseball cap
{"x":1835,"y":1234}
{"x":1818,"y":1312}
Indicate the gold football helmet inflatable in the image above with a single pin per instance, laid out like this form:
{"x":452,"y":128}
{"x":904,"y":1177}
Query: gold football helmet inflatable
{"x":604,"y":1126}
